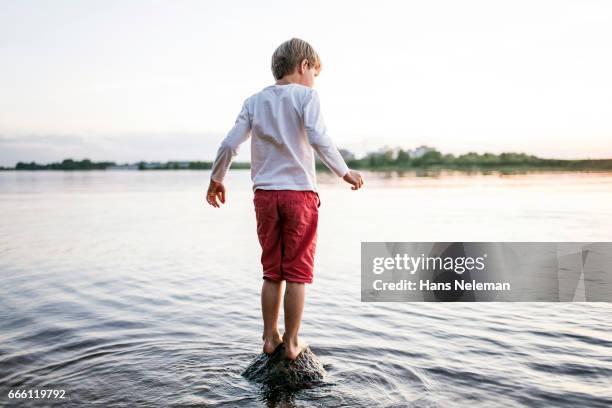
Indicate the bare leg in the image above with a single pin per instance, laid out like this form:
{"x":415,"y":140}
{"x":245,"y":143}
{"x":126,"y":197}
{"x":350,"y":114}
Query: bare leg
{"x":271,"y":292}
{"x":295,"y":294}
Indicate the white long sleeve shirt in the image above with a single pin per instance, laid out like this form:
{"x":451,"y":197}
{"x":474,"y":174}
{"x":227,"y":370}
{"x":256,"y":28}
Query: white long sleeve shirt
{"x":286,"y":127}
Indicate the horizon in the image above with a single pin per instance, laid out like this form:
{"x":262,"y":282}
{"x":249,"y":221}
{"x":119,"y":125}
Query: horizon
{"x":387,"y":149}
{"x":143,"y":81}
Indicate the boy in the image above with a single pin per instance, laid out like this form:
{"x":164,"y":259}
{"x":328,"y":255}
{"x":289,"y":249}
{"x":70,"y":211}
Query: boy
{"x":286,"y":125}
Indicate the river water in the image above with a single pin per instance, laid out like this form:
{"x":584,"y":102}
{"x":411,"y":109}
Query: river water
{"x":124,"y":289}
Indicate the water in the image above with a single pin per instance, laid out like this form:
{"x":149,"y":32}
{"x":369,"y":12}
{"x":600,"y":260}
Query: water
{"x":125,"y":289}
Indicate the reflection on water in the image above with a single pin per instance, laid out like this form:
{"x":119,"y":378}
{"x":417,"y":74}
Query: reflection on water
{"x":124,"y":288}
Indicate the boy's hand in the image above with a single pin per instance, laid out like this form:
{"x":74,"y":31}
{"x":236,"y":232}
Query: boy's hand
{"x":354,"y":178}
{"x":215,"y":190}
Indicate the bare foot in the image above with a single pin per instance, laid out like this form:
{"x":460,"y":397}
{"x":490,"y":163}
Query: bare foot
{"x":294,"y":347}
{"x":270,"y":344}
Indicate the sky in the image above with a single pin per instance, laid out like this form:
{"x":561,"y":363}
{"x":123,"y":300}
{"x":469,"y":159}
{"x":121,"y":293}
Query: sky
{"x":165,"y":80}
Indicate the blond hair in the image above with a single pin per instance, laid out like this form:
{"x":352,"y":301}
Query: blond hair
{"x":290,"y":54}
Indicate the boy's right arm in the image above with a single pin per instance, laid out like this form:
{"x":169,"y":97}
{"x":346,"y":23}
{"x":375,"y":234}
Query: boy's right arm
{"x":225,"y":154}
{"x":231,"y":144}
{"x":322,"y":143}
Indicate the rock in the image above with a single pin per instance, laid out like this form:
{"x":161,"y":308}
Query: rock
{"x":277,"y":371}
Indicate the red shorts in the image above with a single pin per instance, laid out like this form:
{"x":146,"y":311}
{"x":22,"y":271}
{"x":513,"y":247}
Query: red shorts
{"x":287,"y":230}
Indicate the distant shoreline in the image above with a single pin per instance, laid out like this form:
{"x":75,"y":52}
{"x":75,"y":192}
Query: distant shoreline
{"x":422,"y":158}
{"x":508,"y":169}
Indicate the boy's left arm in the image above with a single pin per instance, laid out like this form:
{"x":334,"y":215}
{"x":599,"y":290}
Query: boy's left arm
{"x":227,"y":151}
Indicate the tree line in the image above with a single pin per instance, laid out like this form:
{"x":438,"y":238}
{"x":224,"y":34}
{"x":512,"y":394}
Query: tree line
{"x":385,"y":159}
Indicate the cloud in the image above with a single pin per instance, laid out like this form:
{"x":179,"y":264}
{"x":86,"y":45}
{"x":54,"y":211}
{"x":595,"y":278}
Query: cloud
{"x":34,"y":140}
{"x":120,"y":148}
